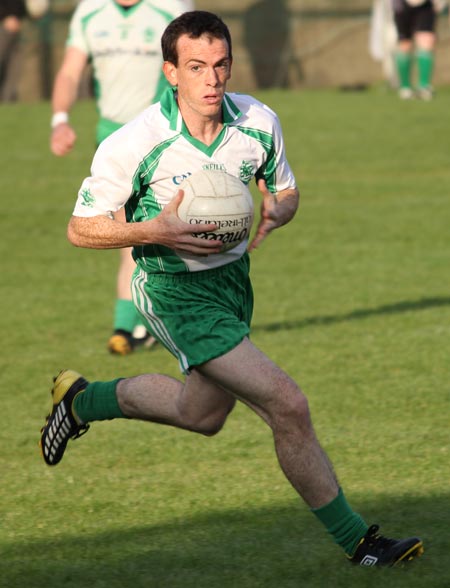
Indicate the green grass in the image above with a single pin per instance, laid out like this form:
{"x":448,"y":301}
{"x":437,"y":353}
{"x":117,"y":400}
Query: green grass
{"x":352,"y":299}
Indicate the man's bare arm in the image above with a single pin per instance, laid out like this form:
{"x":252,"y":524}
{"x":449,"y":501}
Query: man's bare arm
{"x":65,"y":90}
{"x":102,"y":232}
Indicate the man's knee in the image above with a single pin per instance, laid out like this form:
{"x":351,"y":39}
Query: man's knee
{"x":291,"y":409}
{"x":209,"y":424}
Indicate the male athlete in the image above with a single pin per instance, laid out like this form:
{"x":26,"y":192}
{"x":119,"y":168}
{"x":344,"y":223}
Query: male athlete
{"x":12,"y":15}
{"x":122,"y":38}
{"x":198,"y":301}
{"x":415,"y":21}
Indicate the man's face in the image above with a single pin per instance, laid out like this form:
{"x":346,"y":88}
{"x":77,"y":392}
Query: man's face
{"x":203,"y":70}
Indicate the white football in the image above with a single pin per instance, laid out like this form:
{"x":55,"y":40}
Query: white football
{"x":213,"y":196}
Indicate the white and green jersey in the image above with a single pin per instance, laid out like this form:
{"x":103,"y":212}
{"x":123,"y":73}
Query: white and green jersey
{"x":142,"y":164}
{"x":125,"y":49}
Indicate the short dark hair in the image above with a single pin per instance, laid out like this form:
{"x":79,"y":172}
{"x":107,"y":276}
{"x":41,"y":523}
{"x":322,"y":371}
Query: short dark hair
{"x":194,"y":24}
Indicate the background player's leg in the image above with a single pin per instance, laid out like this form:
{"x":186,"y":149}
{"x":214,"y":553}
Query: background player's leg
{"x":127,"y":320}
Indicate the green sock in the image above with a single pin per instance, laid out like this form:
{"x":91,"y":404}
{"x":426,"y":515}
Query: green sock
{"x":126,"y":317}
{"x":98,"y":402}
{"x":425,"y":63}
{"x":346,"y":526}
{"x":403,"y":62}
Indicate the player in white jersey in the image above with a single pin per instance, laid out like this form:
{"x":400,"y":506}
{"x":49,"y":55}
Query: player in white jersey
{"x":122,"y":40}
{"x":197,"y":300}
{"x":141,"y":165}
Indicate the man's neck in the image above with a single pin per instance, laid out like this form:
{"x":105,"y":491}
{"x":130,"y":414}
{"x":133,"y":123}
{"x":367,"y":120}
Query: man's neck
{"x":206,"y":132}
{"x":127,"y":3}
{"x":204,"y":129}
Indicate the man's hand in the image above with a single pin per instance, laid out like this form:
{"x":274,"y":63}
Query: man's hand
{"x":62,"y":139}
{"x":102,"y":232}
{"x":169,"y":230}
{"x":276,"y":211}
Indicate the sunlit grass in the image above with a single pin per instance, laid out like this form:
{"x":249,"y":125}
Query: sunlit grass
{"x":352,"y":299}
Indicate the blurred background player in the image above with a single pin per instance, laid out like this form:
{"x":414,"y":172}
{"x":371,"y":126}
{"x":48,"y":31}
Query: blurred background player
{"x":383,"y":39}
{"x":12,"y":13}
{"x":415,"y":21}
{"x":122,"y":40}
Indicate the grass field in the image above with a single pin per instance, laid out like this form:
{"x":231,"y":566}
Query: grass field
{"x":352,"y":299}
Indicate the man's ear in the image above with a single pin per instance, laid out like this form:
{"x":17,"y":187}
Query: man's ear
{"x":170,"y":71}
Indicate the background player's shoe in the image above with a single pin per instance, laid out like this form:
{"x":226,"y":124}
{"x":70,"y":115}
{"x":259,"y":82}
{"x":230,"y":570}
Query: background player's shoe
{"x":123,"y":342}
{"x":406,"y":94}
{"x":425,"y":93}
{"x":142,"y":338}
{"x":62,"y":424}
{"x":376,"y":550}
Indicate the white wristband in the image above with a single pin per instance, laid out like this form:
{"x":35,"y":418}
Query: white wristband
{"x":59,"y":118}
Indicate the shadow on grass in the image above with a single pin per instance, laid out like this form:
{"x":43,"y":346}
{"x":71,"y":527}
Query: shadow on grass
{"x":282,"y":547}
{"x":396,"y":308}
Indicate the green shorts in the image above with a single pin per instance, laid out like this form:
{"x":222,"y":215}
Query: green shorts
{"x":197,"y":316}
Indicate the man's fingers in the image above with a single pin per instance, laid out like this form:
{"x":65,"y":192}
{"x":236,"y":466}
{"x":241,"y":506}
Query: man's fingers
{"x":262,"y":187}
{"x":265,"y":227}
{"x":176,"y":201}
{"x":259,"y":237}
{"x":203,"y":228}
{"x":256,"y":242}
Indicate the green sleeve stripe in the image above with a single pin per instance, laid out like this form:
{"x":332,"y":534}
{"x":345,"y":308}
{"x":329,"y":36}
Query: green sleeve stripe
{"x":150,"y":162}
{"x":143,"y":202}
{"x":85,"y":20}
{"x":167,"y":15}
{"x":230,"y":110}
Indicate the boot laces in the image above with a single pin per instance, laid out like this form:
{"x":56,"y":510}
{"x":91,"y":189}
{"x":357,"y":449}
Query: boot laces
{"x":373,"y":538}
